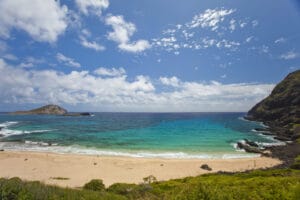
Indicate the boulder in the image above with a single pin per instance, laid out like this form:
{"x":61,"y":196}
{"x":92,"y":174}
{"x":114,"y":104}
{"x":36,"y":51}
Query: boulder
{"x":251,"y":143}
{"x":248,"y":148}
{"x":206,"y":167}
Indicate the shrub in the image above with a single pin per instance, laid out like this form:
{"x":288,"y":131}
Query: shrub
{"x":95,"y":185}
{"x":121,"y":188}
{"x":149,"y":179}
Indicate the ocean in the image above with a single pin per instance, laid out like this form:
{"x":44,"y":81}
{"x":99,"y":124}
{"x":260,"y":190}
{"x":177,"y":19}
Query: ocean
{"x":153,"y":135}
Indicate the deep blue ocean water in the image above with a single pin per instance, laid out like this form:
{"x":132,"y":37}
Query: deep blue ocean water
{"x":168,"y":135}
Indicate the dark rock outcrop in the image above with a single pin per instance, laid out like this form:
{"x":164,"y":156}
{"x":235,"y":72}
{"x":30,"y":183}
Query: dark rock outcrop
{"x":45,"y":110}
{"x":78,"y":114}
{"x":281,"y":109}
{"x":251,"y":143}
{"x":206,"y":167}
{"x":248,"y":148}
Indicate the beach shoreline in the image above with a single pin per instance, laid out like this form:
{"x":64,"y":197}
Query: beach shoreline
{"x":74,"y":170}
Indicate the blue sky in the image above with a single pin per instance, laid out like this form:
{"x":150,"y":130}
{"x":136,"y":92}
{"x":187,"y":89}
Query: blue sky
{"x":116,"y":55}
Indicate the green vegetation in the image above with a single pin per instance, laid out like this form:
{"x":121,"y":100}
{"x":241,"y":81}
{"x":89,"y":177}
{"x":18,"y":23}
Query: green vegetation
{"x":296,"y":164}
{"x":60,"y":178}
{"x":269,"y":184}
{"x":15,"y":189}
{"x":95,"y":185}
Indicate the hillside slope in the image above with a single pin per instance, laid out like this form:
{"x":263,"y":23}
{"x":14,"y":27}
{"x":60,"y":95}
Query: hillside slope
{"x":281,"y":109}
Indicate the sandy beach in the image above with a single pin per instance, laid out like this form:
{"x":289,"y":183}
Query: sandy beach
{"x":79,"y":169}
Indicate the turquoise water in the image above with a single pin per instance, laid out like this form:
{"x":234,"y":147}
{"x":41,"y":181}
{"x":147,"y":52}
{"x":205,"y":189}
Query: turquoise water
{"x":169,"y":135}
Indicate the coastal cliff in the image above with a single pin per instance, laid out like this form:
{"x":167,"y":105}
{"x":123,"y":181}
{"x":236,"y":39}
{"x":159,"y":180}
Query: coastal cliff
{"x":45,"y":110}
{"x":281,"y":109}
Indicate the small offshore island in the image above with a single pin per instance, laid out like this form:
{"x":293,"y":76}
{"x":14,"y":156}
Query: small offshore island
{"x":50,"y":110}
{"x":144,"y":178}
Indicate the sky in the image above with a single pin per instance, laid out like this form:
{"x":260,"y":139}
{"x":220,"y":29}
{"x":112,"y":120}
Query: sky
{"x":145,"y":56}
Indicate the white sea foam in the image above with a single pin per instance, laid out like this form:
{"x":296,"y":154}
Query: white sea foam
{"x":75,"y":149}
{"x":8,"y":132}
{"x":262,"y":131}
{"x":40,"y":143}
{"x":235,"y":146}
{"x":243,"y":119}
{"x":8,"y":123}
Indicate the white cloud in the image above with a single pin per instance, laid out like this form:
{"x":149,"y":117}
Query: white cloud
{"x":290,"y":55}
{"x":91,"y":44}
{"x":242,"y":24}
{"x":3,"y":46}
{"x":122,"y":31}
{"x":255,"y":23}
{"x":117,"y":93}
{"x":210,"y":18}
{"x":66,"y":60}
{"x":264,"y":49}
{"x":42,"y":20}
{"x":30,"y":61}
{"x":188,"y":37}
{"x":102,"y":71}
{"x":92,"y":6}
{"x":280,"y":40}
{"x":248,"y":39}
{"x":10,"y":57}
{"x":173,"y":81}
{"x":86,"y":32}
{"x":232,"y":25}
{"x":135,"y":47}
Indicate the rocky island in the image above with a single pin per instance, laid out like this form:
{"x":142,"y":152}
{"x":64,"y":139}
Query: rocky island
{"x":50,"y":110}
{"x":45,"y":110}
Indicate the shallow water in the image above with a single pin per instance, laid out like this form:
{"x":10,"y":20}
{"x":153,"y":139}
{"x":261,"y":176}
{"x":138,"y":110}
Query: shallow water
{"x":167,"y":135}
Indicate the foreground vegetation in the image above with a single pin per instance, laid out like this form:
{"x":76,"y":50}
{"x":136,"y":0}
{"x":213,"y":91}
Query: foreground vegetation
{"x":270,"y":184}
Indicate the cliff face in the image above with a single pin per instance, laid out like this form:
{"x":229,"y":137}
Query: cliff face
{"x":45,"y":110}
{"x":281,"y":109}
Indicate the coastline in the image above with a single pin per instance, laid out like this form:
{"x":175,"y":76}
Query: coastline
{"x":75,"y":170}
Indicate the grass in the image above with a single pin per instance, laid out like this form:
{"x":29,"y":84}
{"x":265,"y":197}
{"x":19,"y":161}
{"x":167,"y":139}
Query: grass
{"x":60,"y":178}
{"x":281,"y":184}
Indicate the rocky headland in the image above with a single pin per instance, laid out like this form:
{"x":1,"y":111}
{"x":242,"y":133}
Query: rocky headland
{"x":280,"y":112}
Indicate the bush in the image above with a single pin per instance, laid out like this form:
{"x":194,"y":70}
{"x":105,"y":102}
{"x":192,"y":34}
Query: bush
{"x":95,"y":185}
{"x":121,"y":188}
{"x":150,"y":179}
{"x":296,"y":164}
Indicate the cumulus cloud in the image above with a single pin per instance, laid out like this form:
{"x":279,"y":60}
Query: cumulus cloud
{"x":173,"y":81}
{"x":210,"y":18}
{"x":91,"y":44}
{"x":117,"y":93}
{"x":30,"y":61}
{"x":66,"y":60}
{"x":122,"y":32}
{"x":92,"y":6}
{"x":102,"y":71}
{"x":289,"y":55}
{"x":43,"y":20}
